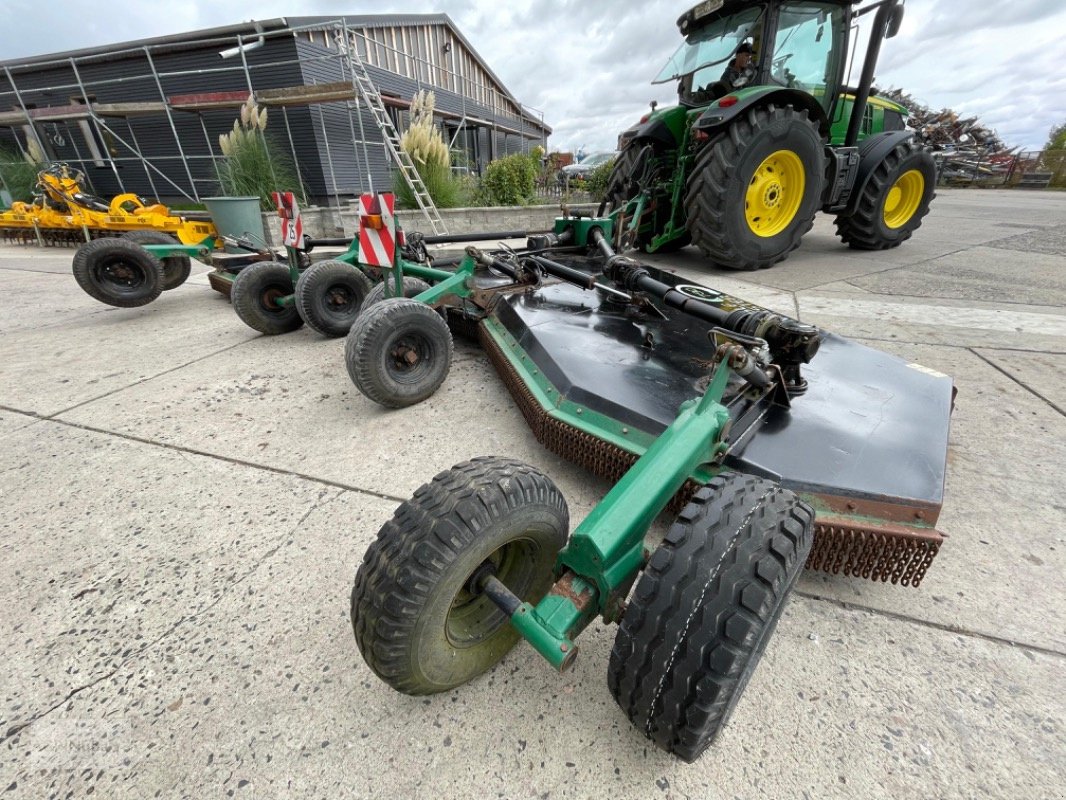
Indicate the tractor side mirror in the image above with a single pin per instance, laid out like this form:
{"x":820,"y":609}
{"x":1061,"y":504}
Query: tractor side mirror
{"x":895,"y":19}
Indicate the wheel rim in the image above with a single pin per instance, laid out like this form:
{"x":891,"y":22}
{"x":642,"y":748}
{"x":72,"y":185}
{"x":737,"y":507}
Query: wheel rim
{"x":409,"y":357}
{"x":121,"y":276}
{"x":472,"y":618}
{"x":774,"y":193}
{"x":903,"y":199}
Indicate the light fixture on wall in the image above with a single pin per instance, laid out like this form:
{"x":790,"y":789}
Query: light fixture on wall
{"x":447,"y":47}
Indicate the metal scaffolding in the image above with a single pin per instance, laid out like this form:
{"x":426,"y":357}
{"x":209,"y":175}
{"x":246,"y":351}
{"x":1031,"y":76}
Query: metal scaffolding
{"x":111,"y":141}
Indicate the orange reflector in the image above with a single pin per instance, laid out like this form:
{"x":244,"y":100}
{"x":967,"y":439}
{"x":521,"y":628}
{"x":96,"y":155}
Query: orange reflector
{"x":373,"y":221}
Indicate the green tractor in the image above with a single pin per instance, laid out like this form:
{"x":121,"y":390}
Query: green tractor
{"x":765,"y":133}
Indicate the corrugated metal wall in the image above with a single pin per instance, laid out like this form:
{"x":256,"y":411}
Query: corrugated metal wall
{"x":334,"y":155}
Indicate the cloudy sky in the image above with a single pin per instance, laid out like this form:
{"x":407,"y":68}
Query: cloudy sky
{"x":587,"y":65}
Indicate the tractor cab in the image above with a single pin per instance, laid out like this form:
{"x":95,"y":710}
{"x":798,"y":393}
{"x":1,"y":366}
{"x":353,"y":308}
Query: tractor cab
{"x":797,"y":45}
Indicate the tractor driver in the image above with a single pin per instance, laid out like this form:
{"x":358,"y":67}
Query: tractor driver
{"x":740,"y":70}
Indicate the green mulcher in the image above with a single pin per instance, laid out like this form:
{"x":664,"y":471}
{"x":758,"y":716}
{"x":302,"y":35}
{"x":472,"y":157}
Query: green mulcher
{"x":776,"y":445}
{"x":740,"y":166}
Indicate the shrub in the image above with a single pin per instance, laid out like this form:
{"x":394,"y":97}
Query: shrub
{"x":252,"y":164}
{"x":509,"y":181}
{"x":446,"y":189}
{"x":423,"y":142}
{"x":19,"y":174}
{"x":596,"y":184}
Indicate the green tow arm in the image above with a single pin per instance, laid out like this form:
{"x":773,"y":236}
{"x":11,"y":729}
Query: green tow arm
{"x":607,"y":548}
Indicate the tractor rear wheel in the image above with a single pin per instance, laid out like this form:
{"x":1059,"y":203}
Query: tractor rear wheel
{"x":118,"y":272}
{"x":420,"y":625}
{"x":704,"y":609}
{"x":255,"y":294}
{"x":176,"y":269}
{"x":412,"y":287}
{"x":756,"y":188}
{"x":398,"y":352}
{"x":895,"y":200}
{"x":329,"y":296}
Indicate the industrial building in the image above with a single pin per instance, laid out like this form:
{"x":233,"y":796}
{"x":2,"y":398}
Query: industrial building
{"x":145,"y":116}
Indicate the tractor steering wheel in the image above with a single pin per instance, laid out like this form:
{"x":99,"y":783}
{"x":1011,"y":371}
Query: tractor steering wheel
{"x":778,"y":73}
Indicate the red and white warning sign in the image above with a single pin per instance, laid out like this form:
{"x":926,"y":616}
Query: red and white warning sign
{"x":377,"y":229}
{"x":292,"y":227}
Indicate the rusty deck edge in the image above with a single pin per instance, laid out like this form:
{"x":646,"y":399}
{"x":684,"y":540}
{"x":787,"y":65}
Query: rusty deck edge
{"x":219,"y":284}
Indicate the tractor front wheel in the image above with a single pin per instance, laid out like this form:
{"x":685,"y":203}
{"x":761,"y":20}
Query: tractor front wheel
{"x":176,"y":269}
{"x":894,"y":201}
{"x":118,"y":272}
{"x":398,"y":352}
{"x":329,"y":296}
{"x":705,"y":607}
{"x":255,"y":296}
{"x":756,"y":188}
{"x":420,"y":625}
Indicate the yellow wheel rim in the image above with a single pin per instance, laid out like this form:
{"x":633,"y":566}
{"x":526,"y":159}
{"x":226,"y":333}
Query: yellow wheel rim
{"x":775,"y":193}
{"x":904,"y":198}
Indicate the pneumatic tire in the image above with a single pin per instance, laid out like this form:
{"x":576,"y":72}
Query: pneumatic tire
{"x":255,"y":294}
{"x":705,"y":607}
{"x":176,"y":269}
{"x":756,"y":187}
{"x":634,"y":167}
{"x":893,"y":202}
{"x":412,"y":287}
{"x":329,"y":296}
{"x":118,"y":272}
{"x":416,"y":621}
{"x":398,"y":352}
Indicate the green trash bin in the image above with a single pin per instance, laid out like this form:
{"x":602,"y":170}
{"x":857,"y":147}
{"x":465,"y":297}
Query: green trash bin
{"x":237,"y":217}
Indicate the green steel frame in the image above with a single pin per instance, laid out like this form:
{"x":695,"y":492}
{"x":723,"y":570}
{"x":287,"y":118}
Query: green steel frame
{"x":606,"y":551}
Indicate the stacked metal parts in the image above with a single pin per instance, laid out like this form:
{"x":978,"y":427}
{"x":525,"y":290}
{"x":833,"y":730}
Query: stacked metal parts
{"x":965,"y":150}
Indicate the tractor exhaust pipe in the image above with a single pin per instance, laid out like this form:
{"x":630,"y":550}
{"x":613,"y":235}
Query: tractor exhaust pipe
{"x":885,"y":13}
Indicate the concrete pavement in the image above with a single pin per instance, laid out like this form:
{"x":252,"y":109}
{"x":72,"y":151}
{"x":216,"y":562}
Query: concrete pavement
{"x":186,"y":503}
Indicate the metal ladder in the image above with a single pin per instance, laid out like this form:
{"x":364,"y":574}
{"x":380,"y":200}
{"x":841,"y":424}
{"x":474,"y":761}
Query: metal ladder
{"x":364,"y":86}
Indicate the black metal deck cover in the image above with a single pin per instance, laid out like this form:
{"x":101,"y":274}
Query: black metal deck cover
{"x":871,"y":426}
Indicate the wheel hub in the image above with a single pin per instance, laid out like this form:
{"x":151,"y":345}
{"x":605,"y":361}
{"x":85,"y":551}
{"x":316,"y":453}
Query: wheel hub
{"x":405,"y":356}
{"x":271,"y":297}
{"x":339,"y":297}
{"x":472,"y":616}
{"x":771,"y":194}
{"x":903,"y":199}
{"x":121,"y":273}
{"x":774,"y":193}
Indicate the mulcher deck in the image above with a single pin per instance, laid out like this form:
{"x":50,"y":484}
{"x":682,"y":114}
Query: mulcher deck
{"x":866,"y":444}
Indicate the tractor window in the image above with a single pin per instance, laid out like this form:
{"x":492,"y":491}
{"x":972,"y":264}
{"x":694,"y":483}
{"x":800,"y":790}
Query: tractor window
{"x":893,"y":120}
{"x":807,"y":48}
{"x":710,"y":48}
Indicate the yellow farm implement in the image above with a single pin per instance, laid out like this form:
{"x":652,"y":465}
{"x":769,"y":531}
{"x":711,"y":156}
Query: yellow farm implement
{"x":63,"y":213}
